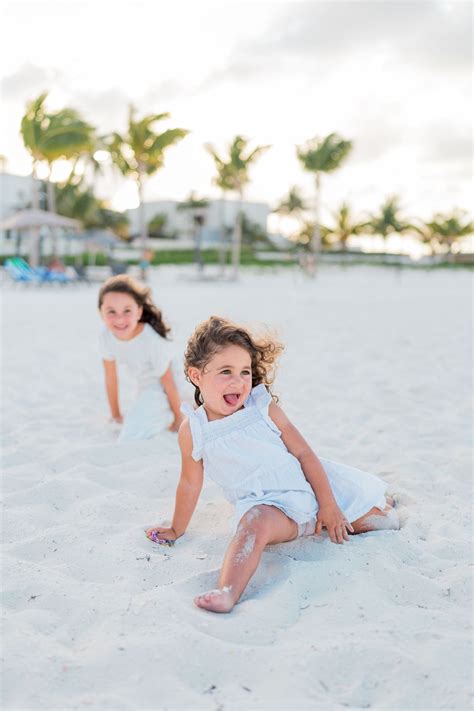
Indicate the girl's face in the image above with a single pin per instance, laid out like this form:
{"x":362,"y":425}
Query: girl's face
{"x":121,"y":315}
{"x":225,"y":382}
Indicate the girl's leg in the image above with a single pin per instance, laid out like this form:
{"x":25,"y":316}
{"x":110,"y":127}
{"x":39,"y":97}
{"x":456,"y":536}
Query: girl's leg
{"x":377,"y":520}
{"x":260,"y":526}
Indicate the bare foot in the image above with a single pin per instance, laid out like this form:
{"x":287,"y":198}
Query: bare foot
{"x":377,"y":520}
{"x":219,"y":600}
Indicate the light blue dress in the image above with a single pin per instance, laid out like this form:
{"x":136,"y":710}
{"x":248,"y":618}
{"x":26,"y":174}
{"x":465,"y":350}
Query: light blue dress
{"x":245,"y":455}
{"x":147,"y":357}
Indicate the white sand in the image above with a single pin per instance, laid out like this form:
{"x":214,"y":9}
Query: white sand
{"x":376,"y":374}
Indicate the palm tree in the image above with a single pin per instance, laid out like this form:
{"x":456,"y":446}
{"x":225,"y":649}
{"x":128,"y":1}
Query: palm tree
{"x":445,"y":229}
{"x":139,"y":153}
{"x":77,"y":200}
{"x":196,"y":207}
{"x":224,"y":181}
{"x":233,"y":174}
{"x":322,"y":155}
{"x":293,"y":205}
{"x":304,"y":236}
{"x":388,"y":220}
{"x":51,"y":136}
{"x":344,"y":225}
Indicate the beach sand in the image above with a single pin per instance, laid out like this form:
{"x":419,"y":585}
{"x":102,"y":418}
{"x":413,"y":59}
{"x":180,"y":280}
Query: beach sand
{"x":376,"y":374}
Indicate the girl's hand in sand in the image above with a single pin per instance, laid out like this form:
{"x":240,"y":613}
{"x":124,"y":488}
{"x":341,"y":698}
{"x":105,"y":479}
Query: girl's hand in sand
{"x":118,"y":419}
{"x":333,"y":520}
{"x":158,"y":533}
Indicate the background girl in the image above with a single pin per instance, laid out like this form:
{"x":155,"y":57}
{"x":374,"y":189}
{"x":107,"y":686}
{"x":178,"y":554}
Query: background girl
{"x":244,"y":441}
{"x":135,"y":335}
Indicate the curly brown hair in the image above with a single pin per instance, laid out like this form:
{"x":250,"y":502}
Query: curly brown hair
{"x":216,"y":333}
{"x":124,"y":284}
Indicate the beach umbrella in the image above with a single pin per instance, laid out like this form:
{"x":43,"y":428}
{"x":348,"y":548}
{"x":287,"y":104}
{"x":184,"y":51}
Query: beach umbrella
{"x":29,"y":219}
{"x":34,"y":220}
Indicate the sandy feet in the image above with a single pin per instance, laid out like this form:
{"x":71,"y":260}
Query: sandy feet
{"x":219,"y":600}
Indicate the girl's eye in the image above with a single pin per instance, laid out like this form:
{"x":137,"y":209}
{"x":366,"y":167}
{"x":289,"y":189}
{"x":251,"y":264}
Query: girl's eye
{"x":225,"y":372}
{"x":246,"y":372}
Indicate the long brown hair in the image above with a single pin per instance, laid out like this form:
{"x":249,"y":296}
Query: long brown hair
{"x":216,"y":333}
{"x":151,"y":314}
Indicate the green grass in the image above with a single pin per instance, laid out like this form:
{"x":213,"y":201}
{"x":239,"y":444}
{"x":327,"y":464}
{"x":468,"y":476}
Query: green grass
{"x":211,"y":256}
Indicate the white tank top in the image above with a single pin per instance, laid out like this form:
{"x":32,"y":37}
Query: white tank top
{"x":245,"y":455}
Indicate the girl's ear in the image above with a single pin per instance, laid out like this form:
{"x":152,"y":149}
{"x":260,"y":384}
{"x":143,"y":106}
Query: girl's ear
{"x":194,"y":374}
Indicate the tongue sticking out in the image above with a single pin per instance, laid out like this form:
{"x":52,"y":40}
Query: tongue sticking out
{"x":231,"y":399}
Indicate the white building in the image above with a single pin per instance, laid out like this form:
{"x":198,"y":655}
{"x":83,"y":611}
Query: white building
{"x":217,"y":213}
{"x":16,"y":193}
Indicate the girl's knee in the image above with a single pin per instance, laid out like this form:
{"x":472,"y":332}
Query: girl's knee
{"x":255,"y":523}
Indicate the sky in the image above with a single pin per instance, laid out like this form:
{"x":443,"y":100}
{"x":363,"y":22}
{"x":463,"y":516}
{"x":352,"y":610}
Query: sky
{"x":392,"y":77}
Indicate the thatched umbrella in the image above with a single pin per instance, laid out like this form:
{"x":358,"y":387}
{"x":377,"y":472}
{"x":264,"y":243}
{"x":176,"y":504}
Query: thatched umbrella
{"x":27,"y":219}
{"x":33,"y":220}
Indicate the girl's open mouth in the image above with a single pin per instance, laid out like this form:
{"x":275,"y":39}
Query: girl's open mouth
{"x":232,"y":398}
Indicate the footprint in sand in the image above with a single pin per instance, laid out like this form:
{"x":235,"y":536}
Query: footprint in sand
{"x":267,"y":608}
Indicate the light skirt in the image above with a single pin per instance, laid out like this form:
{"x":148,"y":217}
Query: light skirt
{"x":355,"y":491}
{"x":147,"y":416}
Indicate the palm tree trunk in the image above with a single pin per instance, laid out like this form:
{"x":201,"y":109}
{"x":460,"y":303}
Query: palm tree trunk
{"x":34,"y":234}
{"x":223,"y":236}
{"x":51,"y":189}
{"x":237,"y":238}
{"x":198,"y":227}
{"x":143,"y":229}
{"x":35,"y":204}
{"x":316,"y":241}
{"x":51,"y":193}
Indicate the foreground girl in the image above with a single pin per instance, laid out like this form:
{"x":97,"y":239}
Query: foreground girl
{"x":244,"y":441}
{"x":135,"y":335}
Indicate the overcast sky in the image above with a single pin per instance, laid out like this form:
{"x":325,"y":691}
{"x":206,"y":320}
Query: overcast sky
{"x":393,"y":77}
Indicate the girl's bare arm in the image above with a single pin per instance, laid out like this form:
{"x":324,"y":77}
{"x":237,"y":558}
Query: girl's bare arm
{"x":111,"y":386}
{"x":187,"y":492}
{"x":297,"y":445}
{"x":329,"y":514}
{"x":169,"y":386}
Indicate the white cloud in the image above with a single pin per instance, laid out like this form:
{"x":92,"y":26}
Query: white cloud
{"x":391,"y":76}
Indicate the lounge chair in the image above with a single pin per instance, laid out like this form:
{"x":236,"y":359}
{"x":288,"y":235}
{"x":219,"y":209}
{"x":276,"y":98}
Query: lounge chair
{"x":81,"y":274}
{"x":118,"y":268}
{"x":20,"y":271}
{"x":18,"y":274}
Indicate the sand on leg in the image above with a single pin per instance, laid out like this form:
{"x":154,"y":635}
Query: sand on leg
{"x":377,"y":520}
{"x":260,"y":526}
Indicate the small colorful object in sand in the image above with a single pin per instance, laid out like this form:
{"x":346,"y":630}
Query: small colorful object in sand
{"x":161,"y":541}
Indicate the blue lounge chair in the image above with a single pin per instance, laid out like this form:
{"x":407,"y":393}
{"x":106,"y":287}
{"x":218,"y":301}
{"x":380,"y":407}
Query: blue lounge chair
{"x":20,"y":271}
{"x":19,"y":274}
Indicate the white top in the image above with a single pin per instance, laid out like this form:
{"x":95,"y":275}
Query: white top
{"x":147,"y":356}
{"x":245,"y":455}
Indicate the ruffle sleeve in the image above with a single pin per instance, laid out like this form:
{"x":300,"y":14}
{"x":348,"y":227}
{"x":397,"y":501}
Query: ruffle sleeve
{"x":261,"y":399}
{"x":105,"y":349}
{"x":196,"y":431}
